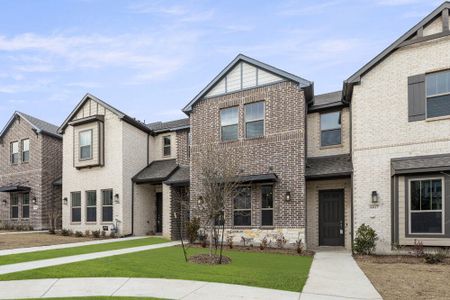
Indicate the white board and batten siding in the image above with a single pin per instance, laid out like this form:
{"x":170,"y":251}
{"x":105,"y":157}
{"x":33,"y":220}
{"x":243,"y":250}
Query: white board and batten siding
{"x":243,"y":76}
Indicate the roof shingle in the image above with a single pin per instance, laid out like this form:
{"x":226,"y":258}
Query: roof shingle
{"x":329,"y":166}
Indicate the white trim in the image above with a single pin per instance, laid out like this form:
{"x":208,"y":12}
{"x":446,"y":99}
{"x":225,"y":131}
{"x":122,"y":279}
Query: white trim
{"x":442,"y":210}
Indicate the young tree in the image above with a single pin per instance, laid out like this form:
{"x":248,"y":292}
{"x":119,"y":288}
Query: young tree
{"x":219,"y":180}
{"x":180,"y":197}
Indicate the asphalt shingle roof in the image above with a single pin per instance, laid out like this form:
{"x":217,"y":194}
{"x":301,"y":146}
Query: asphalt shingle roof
{"x":156,"y":171}
{"x":419,"y":164}
{"x":167,"y":126}
{"x":329,"y":166}
{"x":180,"y":176}
{"x":38,"y":125}
{"x":327,"y":100}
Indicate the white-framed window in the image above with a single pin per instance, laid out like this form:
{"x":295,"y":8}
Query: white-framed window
{"x":85,"y":144}
{"x":14,"y":149}
{"x":242,"y":207}
{"x":107,"y":205}
{"x":167,"y":145}
{"x":25,"y":150}
{"x":254,"y":119}
{"x":330,"y":129}
{"x":267,"y":205}
{"x":26,"y":205}
{"x":438,"y":94}
{"x":426,"y":206}
{"x":229,"y":121}
{"x":14,"y":206}
{"x":91,"y":206}
{"x":75,"y":202}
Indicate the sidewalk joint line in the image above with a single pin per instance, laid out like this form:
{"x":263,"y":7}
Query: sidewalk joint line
{"x":190,"y":293}
{"x":49,"y":288}
{"x":121,"y":286}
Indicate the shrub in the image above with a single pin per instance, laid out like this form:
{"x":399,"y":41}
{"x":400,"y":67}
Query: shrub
{"x":78,"y":234}
{"x":264,"y":243}
{"x":103,"y":234}
{"x":434,"y":258}
{"x":299,"y":246}
{"x":113,"y":235}
{"x":65,"y":232}
{"x":281,"y":241}
{"x":87,"y":233}
{"x":418,"y":249}
{"x":96,"y":233}
{"x":365,"y":240}
{"x":230,"y":241}
{"x":202,"y":237}
{"x":192,"y":228}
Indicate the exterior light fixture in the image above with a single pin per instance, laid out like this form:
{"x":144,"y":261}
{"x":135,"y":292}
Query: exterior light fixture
{"x":116,"y":198}
{"x":5,"y":202}
{"x":288,"y":196}
{"x":375,"y":197}
{"x":34,"y":201}
{"x":65,"y":200}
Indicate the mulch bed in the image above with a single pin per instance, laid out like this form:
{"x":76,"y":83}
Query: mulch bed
{"x":395,"y":259}
{"x":256,"y":249}
{"x":206,"y":259}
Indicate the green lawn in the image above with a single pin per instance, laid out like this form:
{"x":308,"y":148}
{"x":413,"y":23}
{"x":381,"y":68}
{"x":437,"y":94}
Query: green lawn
{"x":277,"y":271}
{"x":18,"y":258}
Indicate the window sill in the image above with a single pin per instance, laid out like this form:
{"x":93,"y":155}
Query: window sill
{"x":91,"y":222}
{"x":331,"y":147}
{"x":254,"y":138}
{"x":437,"y":119}
{"x":75,"y":223}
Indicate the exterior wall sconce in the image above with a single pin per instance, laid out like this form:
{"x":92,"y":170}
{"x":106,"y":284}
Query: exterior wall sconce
{"x":288,"y":196}
{"x":116,"y":198}
{"x":34,"y":201}
{"x":5,"y":202}
{"x":65,"y":200}
{"x":375,"y":197}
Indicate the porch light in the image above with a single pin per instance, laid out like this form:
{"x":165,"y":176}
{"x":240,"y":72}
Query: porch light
{"x":116,"y":198}
{"x":288,"y":196}
{"x":5,"y":202}
{"x":374,"y":197}
{"x":65,"y":200}
{"x":34,"y":201}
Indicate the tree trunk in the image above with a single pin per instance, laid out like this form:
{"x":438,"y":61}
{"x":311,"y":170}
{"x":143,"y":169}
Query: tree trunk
{"x":211,"y":233}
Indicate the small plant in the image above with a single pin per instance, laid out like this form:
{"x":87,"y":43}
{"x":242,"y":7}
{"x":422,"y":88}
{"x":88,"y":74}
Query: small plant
{"x":192,"y":228}
{"x":87,"y":233}
{"x":264,"y":243}
{"x":96,"y":233}
{"x":78,"y":234}
{"x":103,"y":234}
{"x":365,"y":240}
{"x":113,"y":235}
{"x":245,"y":240}
{"x":299,"y":246}
{"x":230,"y":241}
{"x":436,"y":257}
{"x":281,"y":241}
{"x":202,"y":237}
{"x":65,"y":232}
{"x":418,"y":249}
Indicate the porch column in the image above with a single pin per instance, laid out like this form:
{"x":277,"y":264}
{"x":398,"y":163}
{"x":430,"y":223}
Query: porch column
{"x":166,"y":211}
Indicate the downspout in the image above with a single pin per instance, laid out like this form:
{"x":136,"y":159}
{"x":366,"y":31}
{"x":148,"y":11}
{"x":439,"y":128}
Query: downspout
{"x":305,"y":155}
{"x":132,"y":207}
{"x":351,"y":178}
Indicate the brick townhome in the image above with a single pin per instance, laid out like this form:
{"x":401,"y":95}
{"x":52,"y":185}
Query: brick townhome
{"x":30,"y":171}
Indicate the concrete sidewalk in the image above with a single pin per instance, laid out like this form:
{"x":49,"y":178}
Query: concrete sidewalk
{"x":31,"y":265}
{"x":336,"y":275}
{"x":67,"y":245}
{"x":137,"y":287}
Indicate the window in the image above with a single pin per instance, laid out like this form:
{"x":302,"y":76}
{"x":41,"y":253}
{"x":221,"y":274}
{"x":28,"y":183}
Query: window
{"x":91,"y":206}
{"x":254,"y":120}
{"x":330,"y":129}
{"x":86,"y":144}
{"x":107,"y":208}
{"x":26,"y":150}
{"x":166,"y":145}
{"x":76,"y":206}
{"x":14,"y":206}
{"x":26,"y":205}
{"x":243,"y":207}
{"x":229,"y":124}
{"x":14,"y":152}
{"x":426,"y":211}
{"x":438,"y":94}
{"x":266,"y":205}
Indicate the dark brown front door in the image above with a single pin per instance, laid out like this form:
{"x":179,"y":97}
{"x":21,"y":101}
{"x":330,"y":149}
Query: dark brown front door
{"x":158,"y":212}
{"x":331,"y":218}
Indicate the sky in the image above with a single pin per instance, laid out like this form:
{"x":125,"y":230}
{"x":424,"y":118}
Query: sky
{"x":150,"y":58}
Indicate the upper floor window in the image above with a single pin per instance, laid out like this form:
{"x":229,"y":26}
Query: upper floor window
{"x":426,"y":206}
{"x":330,"y":129}
{"x":229,"y":120}
{"x":26,"y":150}
{"x":14,"y":152}
{"x":438,"y":94}
{"x":166,"y":145}
{"x":254,"y":119}
{"x":86,"y":144}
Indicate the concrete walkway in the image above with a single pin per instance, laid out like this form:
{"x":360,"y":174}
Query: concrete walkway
{"x":336,"y":275}
{"x":137,"y":287}
{"x":31,"y":265}
{"x":67,"y":245}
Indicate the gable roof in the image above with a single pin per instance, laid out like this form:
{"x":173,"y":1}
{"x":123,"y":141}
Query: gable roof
{"x":159,"y":127}
{"x":121,"y":115}
{"x":408,"y":38}
{"x":38,"y":125}
{"x":303,"y":83}
{"x":326,"y":101}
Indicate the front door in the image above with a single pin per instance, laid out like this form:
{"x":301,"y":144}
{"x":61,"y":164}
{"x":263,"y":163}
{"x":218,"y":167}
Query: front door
{"x":331,"y":218}
{"x":158,"y":212}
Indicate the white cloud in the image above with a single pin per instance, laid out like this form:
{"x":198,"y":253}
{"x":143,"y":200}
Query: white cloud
{"x":181,"y":13}
{"x":297,"y":9}
{"x":396,"y":2}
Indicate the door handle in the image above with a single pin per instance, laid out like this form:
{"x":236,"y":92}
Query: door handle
{"x":341,"y":228}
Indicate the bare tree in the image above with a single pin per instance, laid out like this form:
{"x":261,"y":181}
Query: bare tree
{"x":219,"y":181}
{"x":180,"y":198}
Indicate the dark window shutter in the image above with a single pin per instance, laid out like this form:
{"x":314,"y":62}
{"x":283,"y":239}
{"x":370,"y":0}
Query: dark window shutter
{"x":416,"y":98}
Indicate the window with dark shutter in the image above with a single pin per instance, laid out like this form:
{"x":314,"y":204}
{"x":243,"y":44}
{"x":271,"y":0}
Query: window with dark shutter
{"x":416,"y":98}
{"x":438,"y":94}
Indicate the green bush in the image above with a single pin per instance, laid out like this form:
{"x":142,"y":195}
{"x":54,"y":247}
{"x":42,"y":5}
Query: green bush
{"x":365,"y":240}
{"x":78,"y":234}
{"x":435,"y":257}
{"x":65,"y":232}
{"x":192,"y":228}
{"x":95,"y":233}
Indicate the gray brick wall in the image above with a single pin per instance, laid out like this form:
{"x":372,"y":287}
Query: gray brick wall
{"x":183,"y":147}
